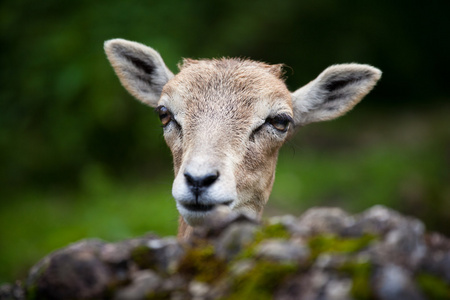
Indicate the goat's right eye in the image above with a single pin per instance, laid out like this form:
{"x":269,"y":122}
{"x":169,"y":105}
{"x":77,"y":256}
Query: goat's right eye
{"x":280,"y":122}
{"x":164,"y":115}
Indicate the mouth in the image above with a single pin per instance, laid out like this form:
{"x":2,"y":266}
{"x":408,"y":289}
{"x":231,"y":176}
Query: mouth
{"x":204,"y":207}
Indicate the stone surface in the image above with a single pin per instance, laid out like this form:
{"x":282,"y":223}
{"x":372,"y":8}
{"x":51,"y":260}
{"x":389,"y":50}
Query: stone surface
{"x":325,"y":254}
{"x":394,"y":282}
{"x":282,"y":251}
{"x":142,"y":284}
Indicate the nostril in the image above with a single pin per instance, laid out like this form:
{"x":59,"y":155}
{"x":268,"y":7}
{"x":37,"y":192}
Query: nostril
{"x":209,"y":179}
{"x":190,"y":179}
{"x":201,"y":181}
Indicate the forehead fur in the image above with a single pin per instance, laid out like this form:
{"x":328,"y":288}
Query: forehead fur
{"x":227,"y":80}
{"x":227,"y":63}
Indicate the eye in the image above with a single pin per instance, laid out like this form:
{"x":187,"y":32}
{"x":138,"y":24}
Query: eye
{"x":164,"y":115}
{"x":280,"y":122}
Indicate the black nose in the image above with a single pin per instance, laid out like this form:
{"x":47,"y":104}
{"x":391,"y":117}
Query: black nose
{"x":199,"y":183}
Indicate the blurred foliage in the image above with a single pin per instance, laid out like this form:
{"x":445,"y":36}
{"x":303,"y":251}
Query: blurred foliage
{"x":79,"y":158}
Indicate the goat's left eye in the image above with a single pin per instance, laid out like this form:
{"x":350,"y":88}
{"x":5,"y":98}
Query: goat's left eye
{"x":280,"y":122}
{"x":164,"y":115}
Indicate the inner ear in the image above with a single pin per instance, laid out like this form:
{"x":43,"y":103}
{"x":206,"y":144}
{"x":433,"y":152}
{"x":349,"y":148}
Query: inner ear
{"x":337,"y":85}
{"x":144,"y":68}
{"x":145,"y":65}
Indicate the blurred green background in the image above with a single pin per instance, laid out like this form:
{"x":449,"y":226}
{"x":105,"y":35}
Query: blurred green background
{"x":80,"y":158}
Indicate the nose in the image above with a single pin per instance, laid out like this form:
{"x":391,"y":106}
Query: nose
{"x":198,"y":184}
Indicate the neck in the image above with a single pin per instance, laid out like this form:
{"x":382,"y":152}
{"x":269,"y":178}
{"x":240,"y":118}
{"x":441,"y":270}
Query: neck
{"x":184,"y":230}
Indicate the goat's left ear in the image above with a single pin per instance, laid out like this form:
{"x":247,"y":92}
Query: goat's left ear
{"x":141,"y":69}
{"x":334,"y":92}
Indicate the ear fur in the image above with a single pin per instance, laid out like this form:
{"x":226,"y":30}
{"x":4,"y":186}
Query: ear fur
{"x":141,"y":69}
{"x":334,"y":92}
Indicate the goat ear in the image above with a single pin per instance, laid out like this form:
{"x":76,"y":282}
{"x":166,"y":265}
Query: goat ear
{"x":141,"y":69}
{"x":334,"y":92}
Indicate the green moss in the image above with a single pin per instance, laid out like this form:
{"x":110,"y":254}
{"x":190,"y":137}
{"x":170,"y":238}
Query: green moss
{"x":202,"y":263}
{"x":359,"y":271}
{"x":435,"y":288}
{"x":31,"y":292}
{"x":271,"y":231}
{"x":334,"y":244}
{"x":360,"y":274}
{"x":32,"y":286}
{"x":261,"y":281}
{"x":158,"y":295}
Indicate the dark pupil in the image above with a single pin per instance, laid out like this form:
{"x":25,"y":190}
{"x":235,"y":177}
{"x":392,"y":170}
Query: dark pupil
{"x":280,"y":123}
{"x":164,"y":115}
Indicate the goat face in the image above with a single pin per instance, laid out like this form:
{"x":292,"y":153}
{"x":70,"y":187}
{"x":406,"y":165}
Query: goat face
{"x":225,"y":120}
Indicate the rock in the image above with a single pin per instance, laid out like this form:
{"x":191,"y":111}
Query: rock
{"x":198,"y":290}
{"x":289,"y":222}
{"x":234,"y":239}
{"x":220,"y":219}
{"x":283,"y":251}
{"x":437,"y":259}
{"x":162,"y":255}
{"x":321,"y":220}
{"x":143,"y":283}
{"x":393,"y":282}
{"x":325,"y":254}
{"x":338,"y":289}
{"x":379,"y":220}
{"x":12,"y":291}
{"x":72,"y":273}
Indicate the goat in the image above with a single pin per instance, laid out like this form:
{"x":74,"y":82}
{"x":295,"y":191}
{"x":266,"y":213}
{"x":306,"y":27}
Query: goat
{"x":225,"y":120}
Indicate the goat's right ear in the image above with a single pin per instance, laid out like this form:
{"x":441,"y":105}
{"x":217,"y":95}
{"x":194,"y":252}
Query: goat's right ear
{"x":334,"y":92}
{"x":141,"y":69}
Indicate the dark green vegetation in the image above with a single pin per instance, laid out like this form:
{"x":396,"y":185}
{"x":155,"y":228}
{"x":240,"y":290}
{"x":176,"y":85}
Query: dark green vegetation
{"x":434,"y":287}
{"x":261,"y":281}
{"x":202,"y":262}
{"x":80,"y":158}
{"x":360,"y":273}
{"x":332,"y":244}
{"x":264,"y":276}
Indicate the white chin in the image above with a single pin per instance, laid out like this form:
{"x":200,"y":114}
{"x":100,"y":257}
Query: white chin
{"x":195,"y":218}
